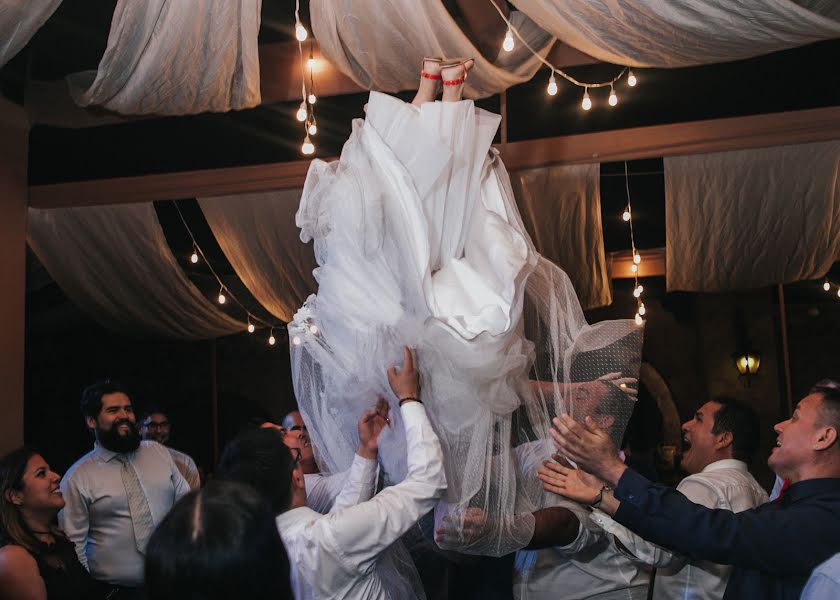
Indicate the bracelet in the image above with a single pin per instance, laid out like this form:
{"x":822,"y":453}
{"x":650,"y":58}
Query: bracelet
{"x":409,"y":399}
{"x":600,"y":498}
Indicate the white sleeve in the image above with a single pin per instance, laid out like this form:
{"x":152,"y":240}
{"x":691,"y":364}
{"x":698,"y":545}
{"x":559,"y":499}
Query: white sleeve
{"x":192,"y":475}
{"x":321,"y":490}
{"x":355,"y":536}
{"x":74,"y":518}
{"x":358,"y":485}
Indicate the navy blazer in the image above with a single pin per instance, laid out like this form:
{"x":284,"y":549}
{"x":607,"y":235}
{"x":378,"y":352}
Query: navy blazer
{"x":773,"y":547}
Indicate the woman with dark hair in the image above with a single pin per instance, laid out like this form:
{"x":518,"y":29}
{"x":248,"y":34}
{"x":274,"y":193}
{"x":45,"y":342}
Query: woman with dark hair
{"x":219,"y":542}
{"x":36,"y":560}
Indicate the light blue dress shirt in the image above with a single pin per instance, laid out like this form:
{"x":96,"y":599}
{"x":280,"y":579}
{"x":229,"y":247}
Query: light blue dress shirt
{"x":96,"y":517}
{"x":824,"y":583}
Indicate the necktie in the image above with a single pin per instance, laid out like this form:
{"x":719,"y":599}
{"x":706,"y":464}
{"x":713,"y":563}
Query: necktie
{"x":141,"y":516}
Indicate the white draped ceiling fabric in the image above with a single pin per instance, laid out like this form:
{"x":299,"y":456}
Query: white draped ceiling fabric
{"x":751,"y":218}
{"x":19,"y":20}
{"x":113,"y":262}
{"x":258,"y":234}
{"x":561,"y":209}
{"x":380,"y":45}
{"x":681,"y":33}
{"x":171,"y":57}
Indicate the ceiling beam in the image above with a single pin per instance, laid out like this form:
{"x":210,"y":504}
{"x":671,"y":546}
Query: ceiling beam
{"x":692,"y":137}
{"x":695,"y":137}
{"x":652,"y":265}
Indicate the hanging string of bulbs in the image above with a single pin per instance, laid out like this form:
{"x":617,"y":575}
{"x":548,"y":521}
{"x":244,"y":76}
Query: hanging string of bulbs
{"x":586,"y":103}
{"x":828,"y":285}
{"x":225,"y":293}
{"x":306,"y":112}
{"x":638,"y":288}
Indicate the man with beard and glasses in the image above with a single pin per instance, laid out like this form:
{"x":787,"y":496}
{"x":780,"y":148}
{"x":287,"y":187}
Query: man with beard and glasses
{"x":117,"y":493}
{"x":156,"y":426}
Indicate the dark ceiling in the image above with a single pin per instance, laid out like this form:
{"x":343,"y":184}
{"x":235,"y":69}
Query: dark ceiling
{"x":76,"y":36}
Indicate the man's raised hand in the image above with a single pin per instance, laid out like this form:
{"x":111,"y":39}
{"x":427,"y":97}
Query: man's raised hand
{"x":406,"y":382}
{"x":588,"y":446}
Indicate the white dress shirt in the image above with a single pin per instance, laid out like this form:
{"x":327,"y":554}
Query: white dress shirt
{"x":725,"y":484}
{"x":186,"y":465}
{"x":334,"y":555}
{"x":591,"y":566}
{"x":322,"y":490}
{"x":96,"y":516}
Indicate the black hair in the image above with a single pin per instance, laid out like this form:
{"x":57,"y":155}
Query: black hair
{"x":829,"y":389}
{"x":92,"y":396}
{"x":217,"y":543}
{"x":259,"y":458}
{"x":741,"y":421}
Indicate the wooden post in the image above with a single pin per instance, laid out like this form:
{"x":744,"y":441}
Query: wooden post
{"x":14,"y":195}
{"x":785,"y":351}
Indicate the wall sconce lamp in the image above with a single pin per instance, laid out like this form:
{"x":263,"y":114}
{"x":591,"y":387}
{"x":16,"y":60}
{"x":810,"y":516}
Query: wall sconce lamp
{"x":747,"y":363}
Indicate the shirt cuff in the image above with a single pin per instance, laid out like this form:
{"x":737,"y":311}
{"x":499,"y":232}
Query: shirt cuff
{"x":632,"y":487}
{"x":412,"y":411}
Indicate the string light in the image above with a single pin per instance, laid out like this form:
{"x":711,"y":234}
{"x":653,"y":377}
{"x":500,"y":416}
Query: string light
{"x":552,"y":85}
{"x":826,"y":285}
{"x":302,"y":112}
{"x":637,"y":292}
{"x":637,"y":258}
{"x":311,"y":63}
{"x":586,"y":103}
{"x":634,"y":268}
{"x":639,"y":319}
{"x":300,"y":32}
{"x":271,"y":339}
{"x":312,"y":99}
{"x":224,"y":293}
{"x":308,"y":147}
{"x":638,"y":289}
{"x":313,"y":128}
{"x":642,"y":310}
{"x":626,"y":215}
{"x":508,"y":44}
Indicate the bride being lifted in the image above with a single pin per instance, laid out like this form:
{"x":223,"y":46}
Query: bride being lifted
{"x":419,"y":242}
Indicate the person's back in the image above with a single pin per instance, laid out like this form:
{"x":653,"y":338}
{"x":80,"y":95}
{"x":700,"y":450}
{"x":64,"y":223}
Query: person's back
{"x":216,"y":544}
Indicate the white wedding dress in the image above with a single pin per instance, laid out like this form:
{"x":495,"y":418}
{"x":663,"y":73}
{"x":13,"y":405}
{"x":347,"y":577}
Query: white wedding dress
{"x":419,"y":243}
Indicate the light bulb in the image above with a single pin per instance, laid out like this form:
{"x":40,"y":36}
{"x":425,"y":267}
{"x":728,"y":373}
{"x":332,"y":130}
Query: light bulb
{"x":638,"y":291}
{"x":311,"y":63}
{"x":313,"y":329}
{"x":222,"y":298}
{"x":507,"y":45}
{"x":552,"y":85}
{"x":637,"y":259}
{"x":626,"y":215}
{"x":313,"y":129}
{"x":308,"y":147}
{"x":838,"y":292}
{"x":631,"y":79}
{"x":634,"y":267}
{"x":586,"y":104}
{"x":194,"y":258}
{"x":639,"y":320}
{"x":642,"y":309}
{"x":301,"y":113}
{"x":296,"y":341}
{"x":300,"y":32}
{"x":251,"y":328}
{"x":826,"y":285}
{"x":271,"y":340}
{"x":312,"y":99}
{"x":613,"y":98}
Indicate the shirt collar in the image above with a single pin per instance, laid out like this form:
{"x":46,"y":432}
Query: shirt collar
{"x":106,"y":455}
{"x":810,"y":487}
{"x":726,"y":463}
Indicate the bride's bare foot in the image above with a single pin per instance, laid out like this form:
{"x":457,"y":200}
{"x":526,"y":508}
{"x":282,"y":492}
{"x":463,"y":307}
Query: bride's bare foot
{"x":429,"y":81}
{"x":454,"y":76}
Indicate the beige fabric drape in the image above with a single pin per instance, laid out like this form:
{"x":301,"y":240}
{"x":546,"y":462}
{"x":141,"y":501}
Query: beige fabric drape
{"x":679,"y":33}
{"x":19,"y":20}
{"x":561,"y":209}
{"x":171,"y":57}
{"x":258,"y":235}
{"x":750,"y":218}
{"x":380,"y":44}
{"x":113,"y":262}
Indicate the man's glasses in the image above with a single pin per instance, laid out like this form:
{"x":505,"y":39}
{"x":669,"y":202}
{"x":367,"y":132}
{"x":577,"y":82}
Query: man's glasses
{"x":297,"y":428}
{"x":163,"y":425}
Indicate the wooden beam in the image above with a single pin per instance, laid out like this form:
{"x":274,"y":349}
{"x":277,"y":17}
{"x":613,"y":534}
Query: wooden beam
{"x":713,"y":135}
{"x":621,"y":264}
{"x":693,"y":137}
